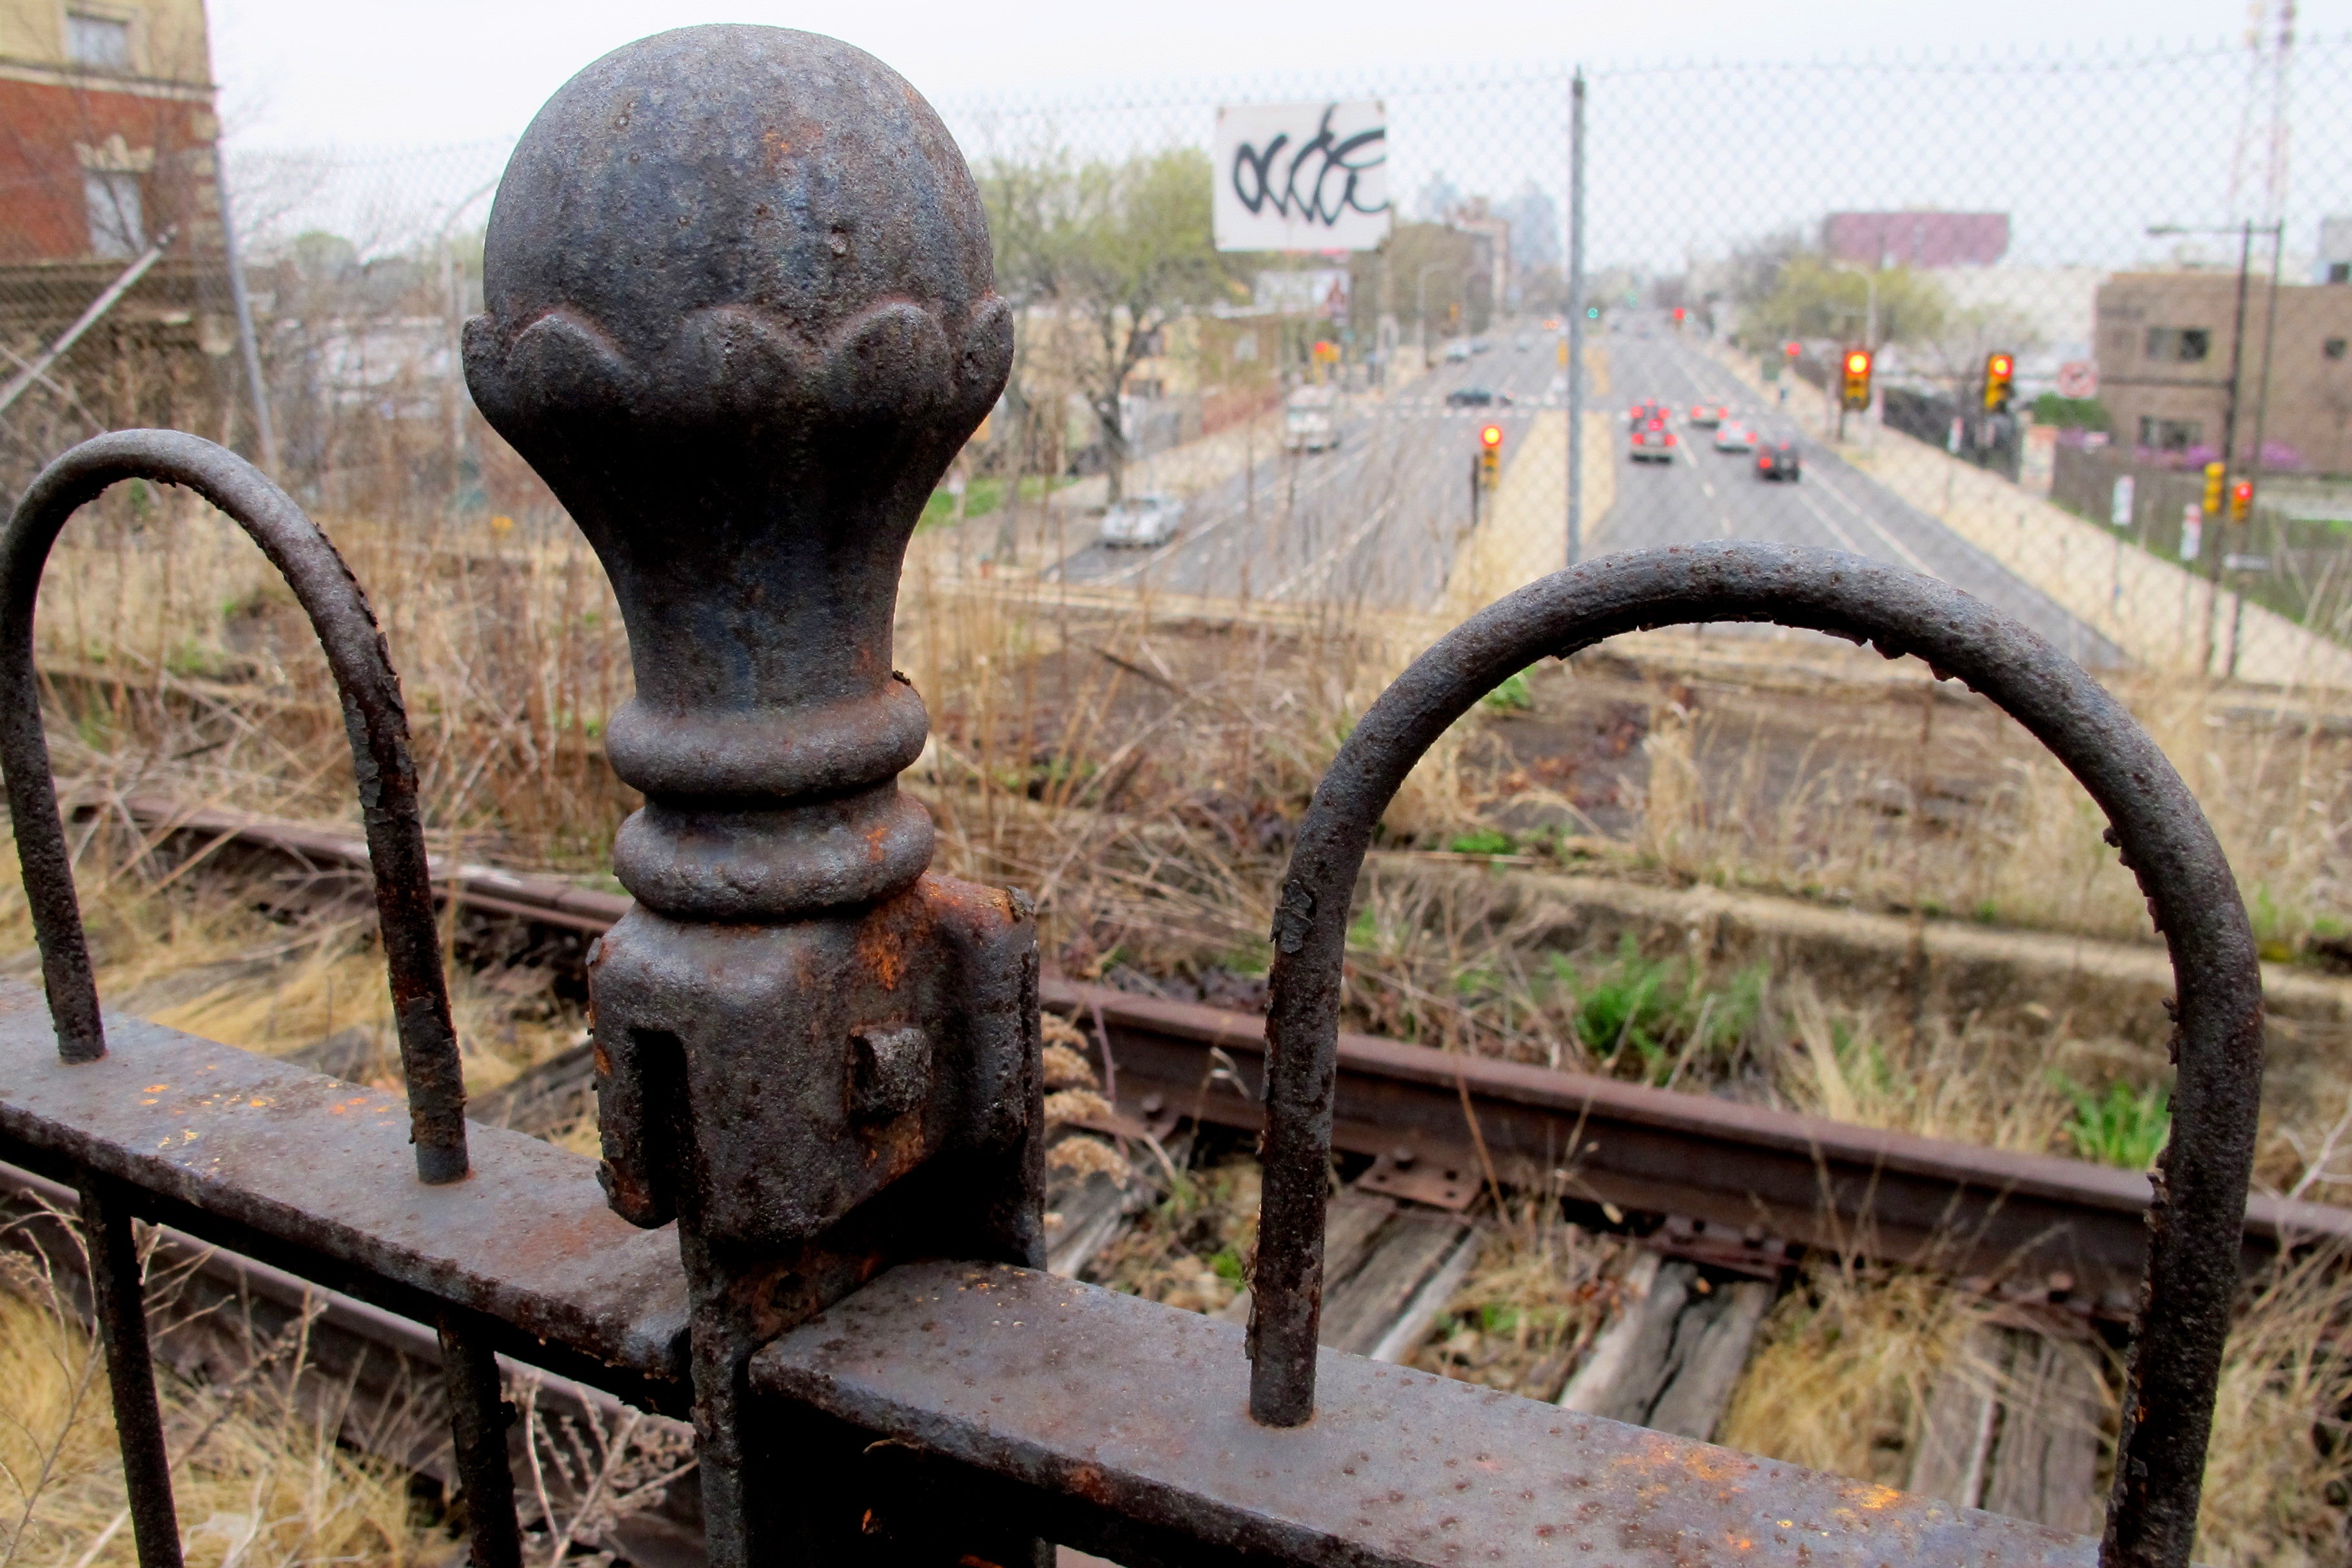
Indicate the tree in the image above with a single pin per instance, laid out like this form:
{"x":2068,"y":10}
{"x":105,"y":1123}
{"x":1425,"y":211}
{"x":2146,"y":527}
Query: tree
{"x":1811,"y":297}
{"x":1111,"y":253}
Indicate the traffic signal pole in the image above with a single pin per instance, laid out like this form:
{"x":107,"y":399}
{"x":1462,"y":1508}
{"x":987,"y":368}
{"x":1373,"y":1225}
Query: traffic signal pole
{"x":1576,"y":319}
{"x":2220,"y":544}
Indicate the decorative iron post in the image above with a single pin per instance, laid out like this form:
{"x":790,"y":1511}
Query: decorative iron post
{"x":740,"y":315}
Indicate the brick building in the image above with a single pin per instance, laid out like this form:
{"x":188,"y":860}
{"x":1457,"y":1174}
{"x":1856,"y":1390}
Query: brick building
{"x":2163,"y":345}
{"x":106,"y":129}
{"x":107,"y":143}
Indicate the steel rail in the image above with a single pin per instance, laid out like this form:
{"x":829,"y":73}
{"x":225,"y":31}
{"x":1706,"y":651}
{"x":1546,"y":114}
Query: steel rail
{"x":2060,"y":1230}
{"x":2196,"y":1215}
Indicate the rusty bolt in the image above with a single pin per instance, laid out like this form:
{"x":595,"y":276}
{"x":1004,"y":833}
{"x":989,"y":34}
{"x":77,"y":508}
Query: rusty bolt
{"x":889,"y":1071}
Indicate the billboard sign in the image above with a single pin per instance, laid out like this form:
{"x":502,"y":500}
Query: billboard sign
{"x":1302,"y":177}
{"x":1320,"y":293}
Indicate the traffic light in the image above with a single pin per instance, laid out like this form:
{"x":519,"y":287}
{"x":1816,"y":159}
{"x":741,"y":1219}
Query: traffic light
{"x":1856,"y":389}
{"x":1678,"y":316}
{"x":2000,"y":371}
{"x":2242,"y":500}
{"x":1490,"y":456}
{"x":2213,"y":472}
{"x":1592,"y":312}
{"x":1793,"y":350}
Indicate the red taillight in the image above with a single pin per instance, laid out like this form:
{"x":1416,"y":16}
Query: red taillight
{"x":1764,"y":462}
{"x":1639,"y":439}
{"x":1670,"y":439}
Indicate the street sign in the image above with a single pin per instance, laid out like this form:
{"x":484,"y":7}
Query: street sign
{"x":2078,"y":378}
{"x":2119,"y":508}
{"x":2236,"y":562}
{"x":2193,"y":531}
{"x":1302,"y":177}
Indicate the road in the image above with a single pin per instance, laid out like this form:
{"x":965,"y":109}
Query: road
{"x":1376,"y":521}
{"x":1705,"y":494}
{"x":1372,"y":521}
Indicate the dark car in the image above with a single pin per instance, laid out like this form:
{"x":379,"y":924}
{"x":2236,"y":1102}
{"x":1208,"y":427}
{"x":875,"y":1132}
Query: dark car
{"x":1643,"y":412}
{"x":1777,"y":461}
{"x":1475,"y":397}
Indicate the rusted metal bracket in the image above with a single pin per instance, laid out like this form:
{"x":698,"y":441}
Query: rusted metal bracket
{"x":740,"y":316}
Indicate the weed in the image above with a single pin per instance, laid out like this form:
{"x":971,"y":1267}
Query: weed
{"x":2125,"y":1127}
{"x":1511,"y":697}
{"x":1483,"y":841}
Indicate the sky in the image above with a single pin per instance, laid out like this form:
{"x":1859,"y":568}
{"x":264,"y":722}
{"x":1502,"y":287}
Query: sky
{"x":304,"y":74}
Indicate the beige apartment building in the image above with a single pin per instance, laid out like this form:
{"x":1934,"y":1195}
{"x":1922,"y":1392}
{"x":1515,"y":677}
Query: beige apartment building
{"x":2164,"y":343}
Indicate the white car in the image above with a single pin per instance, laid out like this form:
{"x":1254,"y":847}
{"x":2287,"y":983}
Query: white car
{"x":1458,"y":352}
{"x":1731,"y":436}
{"x":1142,"y":520}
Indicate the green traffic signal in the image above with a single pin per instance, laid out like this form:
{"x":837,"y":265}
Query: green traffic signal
{"x":1592,"y":312}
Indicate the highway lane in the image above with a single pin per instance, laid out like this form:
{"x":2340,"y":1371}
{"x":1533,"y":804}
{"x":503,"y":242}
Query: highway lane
{"x":1705,"y":494}
{"x":1372,"y":521}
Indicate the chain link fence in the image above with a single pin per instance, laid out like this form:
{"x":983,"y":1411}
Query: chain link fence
{"x":2158,"y":242}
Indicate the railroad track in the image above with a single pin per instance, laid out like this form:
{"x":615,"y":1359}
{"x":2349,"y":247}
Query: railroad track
{"x":1722,"y":1198}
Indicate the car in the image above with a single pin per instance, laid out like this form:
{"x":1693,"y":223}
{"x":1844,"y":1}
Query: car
{"x":1146,"y":521}
{"x":1476,"y":397}
{"x":1457,"y":352}
{"x":1523,"y":343}
{"x":1777,"y":461}
{"x":1708,"y":416}
{"x":1651,"y":441}
{"x":1479,"y":345}
{"x":1731,"y":436}
{"x":1647,"y":409}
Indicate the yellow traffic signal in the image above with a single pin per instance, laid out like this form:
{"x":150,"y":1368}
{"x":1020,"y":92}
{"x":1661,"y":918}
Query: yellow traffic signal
{"x":2213,"y":474}
{"x":2242,"y":500}
{"x":2000,"y":371}
{"x":1490,"y":456}
{"x":1857,"y":379}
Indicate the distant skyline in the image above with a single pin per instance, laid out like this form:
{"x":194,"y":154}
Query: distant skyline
{"x":295,"y":73}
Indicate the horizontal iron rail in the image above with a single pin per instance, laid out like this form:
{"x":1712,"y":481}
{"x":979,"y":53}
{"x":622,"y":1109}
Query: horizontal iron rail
{"x":1122,"y":1423}
{"x":2058,"y":1228}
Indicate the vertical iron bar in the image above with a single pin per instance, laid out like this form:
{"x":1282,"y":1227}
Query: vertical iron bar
{"x":1576,"y":319}
{"x":118,"y":1300}
{"x":478,"y":1419}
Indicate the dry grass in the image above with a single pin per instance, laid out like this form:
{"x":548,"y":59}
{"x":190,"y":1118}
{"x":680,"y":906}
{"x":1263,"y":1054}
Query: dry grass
{"x":258,"y":1479}
{"x":1541,"y":1291}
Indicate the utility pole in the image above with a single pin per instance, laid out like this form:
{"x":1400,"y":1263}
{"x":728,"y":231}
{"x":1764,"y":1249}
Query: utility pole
{"x":265,"y":429}
{"x":1576,"y":319}
{"x":2220,"y":545}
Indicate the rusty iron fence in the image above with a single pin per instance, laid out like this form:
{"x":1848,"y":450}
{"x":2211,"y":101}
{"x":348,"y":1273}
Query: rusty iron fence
{"x":738,"y":314}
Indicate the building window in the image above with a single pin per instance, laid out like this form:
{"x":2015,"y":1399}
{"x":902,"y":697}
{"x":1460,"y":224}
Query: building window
{"x":98,"y":43}
{"x":2169,"y":435}
{"x":2183,"y":345}
{"x":2339,"y":272}
{"x":2332,"y":348}
{"x":116,"y":226}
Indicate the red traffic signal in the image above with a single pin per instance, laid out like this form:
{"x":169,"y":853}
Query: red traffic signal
{"x":1678,"y":313}
{"x":1491,"y":436}
{"x":2000,"y":364}
{"x":2242,"y":500}
{"x":1855,"y":392}
{"x":1793,"y":350}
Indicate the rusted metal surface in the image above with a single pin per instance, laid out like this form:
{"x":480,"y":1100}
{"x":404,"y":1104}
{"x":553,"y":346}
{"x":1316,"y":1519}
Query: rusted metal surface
{"x":118,"y":1300}
{"x":2064,"y":1229}
{"x":310,"y":1174}
{"x":378,"y":727}
{"x":478,"y":1419}
{"x":2196,"y":1217}
{"x":740,"y":314}
{"x":1125,"y":1427}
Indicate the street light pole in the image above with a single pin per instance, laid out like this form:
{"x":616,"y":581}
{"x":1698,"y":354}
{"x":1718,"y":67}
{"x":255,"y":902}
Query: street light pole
{"x":1576,"y":319}
{"x":1420,"y":304}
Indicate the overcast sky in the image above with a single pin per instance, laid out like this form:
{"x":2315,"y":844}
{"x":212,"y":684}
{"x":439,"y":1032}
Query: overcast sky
{"x":299,"y":73}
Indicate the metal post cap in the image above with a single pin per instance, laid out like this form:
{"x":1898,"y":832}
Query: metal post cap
{"x":740,"y":316}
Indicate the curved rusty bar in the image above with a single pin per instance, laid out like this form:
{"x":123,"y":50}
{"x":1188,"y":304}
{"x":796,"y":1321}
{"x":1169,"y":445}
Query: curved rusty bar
{"x":2202,"y":1177}
{"x":373,"y":715}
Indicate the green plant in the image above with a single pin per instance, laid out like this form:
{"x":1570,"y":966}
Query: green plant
{"x":2071,"y":413}
{"x":1511,"y":697}
{"x":2124,"y":1127}
{"x":1483,"y":841}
